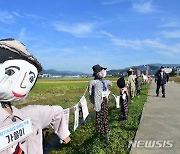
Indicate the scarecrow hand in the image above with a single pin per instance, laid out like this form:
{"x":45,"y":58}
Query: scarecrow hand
{"x":67,"y":140}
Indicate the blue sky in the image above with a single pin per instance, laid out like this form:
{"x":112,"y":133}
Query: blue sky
{"x":74,"y":35}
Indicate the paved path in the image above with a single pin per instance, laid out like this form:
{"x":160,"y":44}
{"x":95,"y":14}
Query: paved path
{"x":160,"y":123}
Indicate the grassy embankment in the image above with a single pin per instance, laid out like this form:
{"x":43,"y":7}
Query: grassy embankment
{"x":84,"y":140}
{"x":175,"y":79}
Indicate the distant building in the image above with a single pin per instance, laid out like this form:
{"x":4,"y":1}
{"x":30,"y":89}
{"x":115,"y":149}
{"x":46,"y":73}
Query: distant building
{"x":44,"y":76}
{"x":168,"y":70}
{"x":177,"y":71}
{"x":56,"y":76}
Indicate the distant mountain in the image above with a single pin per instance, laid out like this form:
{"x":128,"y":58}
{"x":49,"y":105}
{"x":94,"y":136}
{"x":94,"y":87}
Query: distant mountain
{"x":165,"y":65}
{"x":62,"y":73}
{"x":153,"y":68}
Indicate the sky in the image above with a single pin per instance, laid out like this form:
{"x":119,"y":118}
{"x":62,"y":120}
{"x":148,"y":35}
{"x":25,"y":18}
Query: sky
{"x":74,"y":35}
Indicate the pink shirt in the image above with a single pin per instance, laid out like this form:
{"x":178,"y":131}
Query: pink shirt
{"x":41,"y":116}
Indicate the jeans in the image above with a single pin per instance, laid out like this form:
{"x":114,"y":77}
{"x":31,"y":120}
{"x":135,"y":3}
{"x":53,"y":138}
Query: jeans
{"x":163,"y":89}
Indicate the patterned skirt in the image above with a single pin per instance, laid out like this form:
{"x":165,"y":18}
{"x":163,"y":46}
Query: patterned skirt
{"x":102,"y":118}
{"x":124,"y":105}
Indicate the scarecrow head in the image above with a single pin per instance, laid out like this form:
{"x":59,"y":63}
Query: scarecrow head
{"x":121,"y":82}
{"x":18,"y":71}
{"x":130,"y":72}
{"x":99,"y":72}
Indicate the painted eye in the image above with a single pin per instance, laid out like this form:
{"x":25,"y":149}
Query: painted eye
{"x":9,"y":72}
{"x":31,"y":79}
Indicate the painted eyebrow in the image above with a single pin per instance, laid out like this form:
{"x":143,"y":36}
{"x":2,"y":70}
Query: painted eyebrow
{"x":18,"y":68}
{"x":32,"y":73}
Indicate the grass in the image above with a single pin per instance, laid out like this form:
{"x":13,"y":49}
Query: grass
{"x":67,"y":93}
{"x":85,"y":140}
{"x":175,"y":79}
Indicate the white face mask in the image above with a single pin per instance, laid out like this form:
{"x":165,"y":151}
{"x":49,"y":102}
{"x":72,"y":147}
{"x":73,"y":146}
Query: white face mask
{"x":16,"y":80}
{"x":102,"y":74}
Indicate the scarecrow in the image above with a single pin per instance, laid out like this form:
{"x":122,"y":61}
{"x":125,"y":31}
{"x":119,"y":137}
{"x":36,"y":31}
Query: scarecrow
{"x":123,"y":98}
{"x":138,"y":85}
{"x":131,"y":83}
{"x":21,"y":129}
{"x":98,"y":91}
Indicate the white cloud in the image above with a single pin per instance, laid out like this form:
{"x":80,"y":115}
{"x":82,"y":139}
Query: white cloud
{"x":25,"y":36}
{"x":6,"y":17}
{"x":21,"y":35}
{"x":154,"y":45}
{"x":144,"y":7}
{"x":107,"y":34}
{"x":10,"y":17}
{"x":113,"y":2}
{"x":34,"y":17}
{"x":171,"y":34}
{"x":17,"y":14}
{"x":77,"y":29}
{"x":170,"y":25}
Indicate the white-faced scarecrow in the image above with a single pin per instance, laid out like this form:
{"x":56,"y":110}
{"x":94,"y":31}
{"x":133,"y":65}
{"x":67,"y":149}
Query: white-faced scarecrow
{"x":21,"y":129}
{"x":123,"y":98}
{"x":98,"y":90}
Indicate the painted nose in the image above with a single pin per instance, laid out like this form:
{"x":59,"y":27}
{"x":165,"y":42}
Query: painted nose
{"x":23,"y":83}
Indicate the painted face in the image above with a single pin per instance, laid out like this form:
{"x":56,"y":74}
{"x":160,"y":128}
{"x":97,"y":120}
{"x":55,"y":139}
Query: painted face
{"x":16,"y":79}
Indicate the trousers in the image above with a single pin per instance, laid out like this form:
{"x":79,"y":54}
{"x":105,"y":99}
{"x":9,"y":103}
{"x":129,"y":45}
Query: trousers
{"x":158,"y":87}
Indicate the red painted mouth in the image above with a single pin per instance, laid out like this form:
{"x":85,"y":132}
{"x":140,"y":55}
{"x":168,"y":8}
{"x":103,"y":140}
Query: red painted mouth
{"x":18,"y":95}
